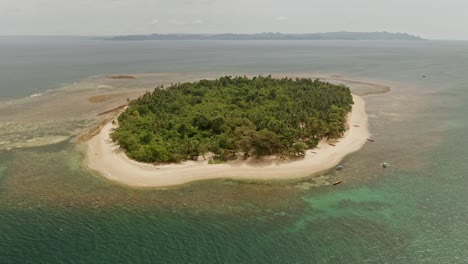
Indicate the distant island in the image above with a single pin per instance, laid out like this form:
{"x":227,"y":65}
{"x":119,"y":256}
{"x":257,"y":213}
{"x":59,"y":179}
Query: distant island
{"x":342,"y":35}
{"x":228,"y":117}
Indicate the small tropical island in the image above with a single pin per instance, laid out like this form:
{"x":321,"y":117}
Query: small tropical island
{"x":233,"y":116}
{"x":230,"y":127}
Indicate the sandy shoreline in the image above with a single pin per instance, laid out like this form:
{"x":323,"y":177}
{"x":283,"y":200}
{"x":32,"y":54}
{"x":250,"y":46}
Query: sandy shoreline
{"x":111,"y":162}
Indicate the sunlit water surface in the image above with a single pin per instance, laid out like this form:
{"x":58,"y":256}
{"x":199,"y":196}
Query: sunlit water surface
{"x":54,"y":211}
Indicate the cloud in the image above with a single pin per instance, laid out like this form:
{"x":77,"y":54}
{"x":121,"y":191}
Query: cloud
{"x":281,"y":18}
{"x":197,"y":21}
{"x":154,"y":22}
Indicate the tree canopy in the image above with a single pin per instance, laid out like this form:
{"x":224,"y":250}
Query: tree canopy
{"x":253,"y":116}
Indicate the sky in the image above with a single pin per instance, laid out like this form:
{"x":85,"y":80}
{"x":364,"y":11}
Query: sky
{"x":431,"y":19}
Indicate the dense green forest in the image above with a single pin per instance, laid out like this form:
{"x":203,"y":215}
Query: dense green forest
{"x":255,"y":117}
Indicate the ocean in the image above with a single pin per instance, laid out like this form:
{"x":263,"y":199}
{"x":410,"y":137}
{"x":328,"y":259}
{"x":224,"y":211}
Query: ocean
{"x":52,"y":210}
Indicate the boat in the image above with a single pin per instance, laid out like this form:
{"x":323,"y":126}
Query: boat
{"x":332,"y":144}
{"x":339,"y":168}
{"x":371,"y":140}
{"x":337,"y":182}
{"x":385,"y":165}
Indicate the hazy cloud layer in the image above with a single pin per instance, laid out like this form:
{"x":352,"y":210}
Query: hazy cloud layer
{"x":429,"y":18}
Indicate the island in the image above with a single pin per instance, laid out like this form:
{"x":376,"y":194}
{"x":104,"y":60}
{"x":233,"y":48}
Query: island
{"x":231,"y":127}
{"x":341,"y":35}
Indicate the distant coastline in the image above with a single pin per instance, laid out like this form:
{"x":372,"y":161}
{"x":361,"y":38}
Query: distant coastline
{"x":341,"y":35}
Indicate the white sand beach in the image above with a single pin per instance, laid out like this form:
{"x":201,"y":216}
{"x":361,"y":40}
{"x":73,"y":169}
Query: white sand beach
{"x":110,"y":161}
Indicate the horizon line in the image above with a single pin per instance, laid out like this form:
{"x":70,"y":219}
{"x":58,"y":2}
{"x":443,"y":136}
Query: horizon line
{"x":209,"y":34}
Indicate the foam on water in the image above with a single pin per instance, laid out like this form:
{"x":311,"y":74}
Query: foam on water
{"x":35,"y":95}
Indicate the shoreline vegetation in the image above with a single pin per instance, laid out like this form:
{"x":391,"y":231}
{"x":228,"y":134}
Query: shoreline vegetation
{"x":111,"y":161}
{"x":232,"y":117}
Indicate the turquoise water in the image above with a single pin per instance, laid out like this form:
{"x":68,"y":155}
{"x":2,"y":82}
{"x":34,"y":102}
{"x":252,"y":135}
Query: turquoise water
{"x":54,"y":211}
